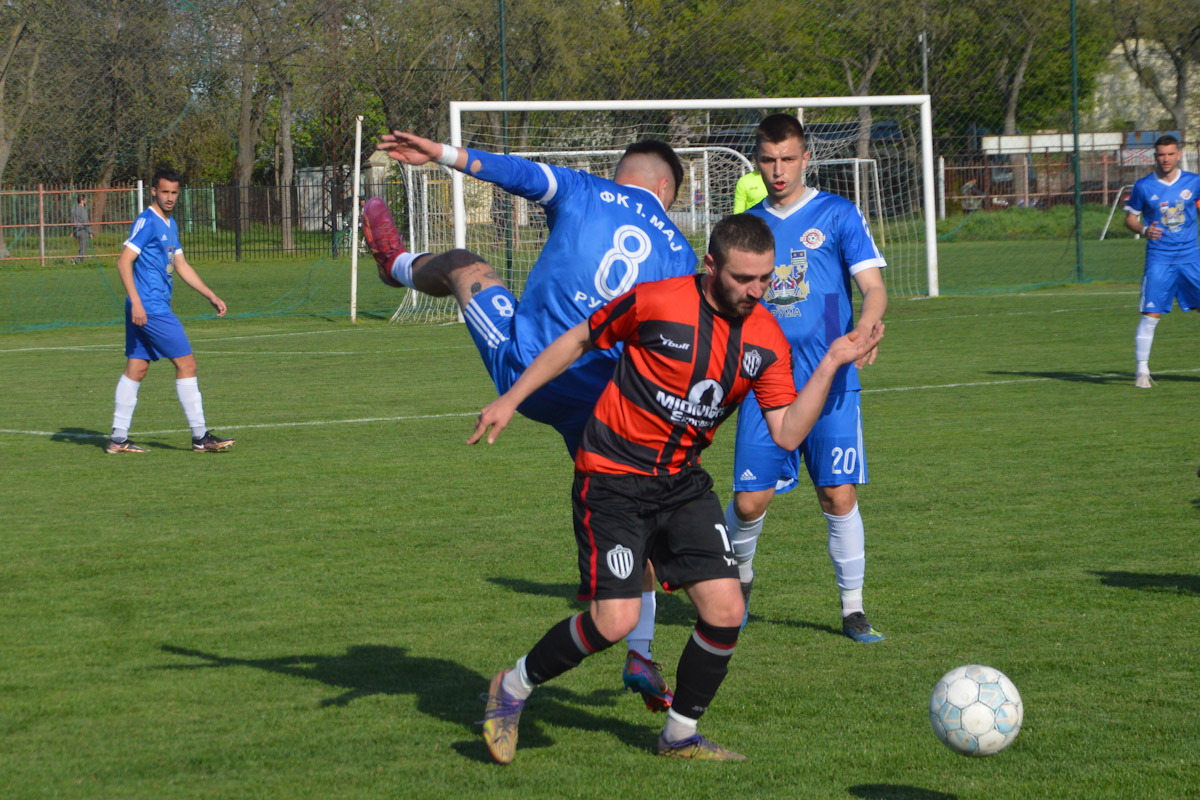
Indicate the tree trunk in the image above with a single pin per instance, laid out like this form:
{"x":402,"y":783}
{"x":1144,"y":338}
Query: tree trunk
{"x":286,"y":173}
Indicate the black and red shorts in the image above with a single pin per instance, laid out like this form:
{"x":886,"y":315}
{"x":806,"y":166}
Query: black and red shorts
{"x":675,"y":521}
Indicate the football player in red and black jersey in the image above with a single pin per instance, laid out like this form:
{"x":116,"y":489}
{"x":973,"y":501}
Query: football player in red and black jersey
{"x":694,"y":348}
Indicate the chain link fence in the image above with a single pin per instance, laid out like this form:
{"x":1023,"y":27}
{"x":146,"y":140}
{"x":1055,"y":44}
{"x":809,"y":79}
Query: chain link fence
{"x":94,"y":94}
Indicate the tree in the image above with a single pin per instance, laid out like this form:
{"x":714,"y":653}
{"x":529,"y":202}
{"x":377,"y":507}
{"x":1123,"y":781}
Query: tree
{"x":1160,"y":42}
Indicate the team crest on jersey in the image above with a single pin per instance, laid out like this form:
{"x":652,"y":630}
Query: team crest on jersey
{"x":1186,"y":194}
{"x":813,"y":238}
{"x":751,"y":363}
{"x":620,"y":561}
{"x":788,"y":285}
{"x":1172,"y":216}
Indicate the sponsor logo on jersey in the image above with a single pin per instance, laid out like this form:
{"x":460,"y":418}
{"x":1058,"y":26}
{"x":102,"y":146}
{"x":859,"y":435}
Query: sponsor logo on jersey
{"x":701,"y":409}
{"x":787,"y":284}
{"x":1172,"y":215}
{"x":813,"y":238}
{"x":675,"y":345}
{"x":620,"y":561}
{"x":1153,"y":197}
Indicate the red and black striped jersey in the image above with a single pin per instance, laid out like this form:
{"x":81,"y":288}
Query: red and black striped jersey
{"x":685,"y":368}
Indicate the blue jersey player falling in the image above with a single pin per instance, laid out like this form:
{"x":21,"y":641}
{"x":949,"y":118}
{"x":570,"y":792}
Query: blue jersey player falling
{"x":822,"y":245}
{"x":604,"y":237}
{"x":1162,"y":207}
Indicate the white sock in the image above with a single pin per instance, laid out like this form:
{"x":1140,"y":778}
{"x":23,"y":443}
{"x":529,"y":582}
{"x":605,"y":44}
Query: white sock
{"x":124,"y":403}
{"x":402,"y":267}
{"x":678,"y":726}
{"x":743,"y":537}
{"x":642,"y":635}
{"x":1142,"y":342}
{"x":848,"y":552}
{"x":516,"y":682}
{"x":188,"y":390}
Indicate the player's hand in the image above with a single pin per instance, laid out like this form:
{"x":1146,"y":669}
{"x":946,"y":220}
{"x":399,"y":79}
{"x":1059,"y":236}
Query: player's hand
{"x":1154,"y":231}
{"x":495,"y":415}
{"x":869,"y":357}
{"x":218,"y":304}
{"x":137,"y":313}
{"x":855,"y":344}
{"x":408,"y":148}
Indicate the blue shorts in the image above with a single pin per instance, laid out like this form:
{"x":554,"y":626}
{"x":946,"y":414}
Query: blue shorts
{"x":161,"y":337}
{"x":832,"y":451}
{"x":1166,"y":280}
{"x":565,"y":403}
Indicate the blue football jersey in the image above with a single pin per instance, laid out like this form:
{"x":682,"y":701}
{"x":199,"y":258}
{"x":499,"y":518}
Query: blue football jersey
{"x":156,"y":241}
{"x":603,"y":238}
{"x":1173,"y":207}
{"x":821,"y":241}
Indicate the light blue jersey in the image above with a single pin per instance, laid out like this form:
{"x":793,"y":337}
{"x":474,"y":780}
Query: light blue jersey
{"x":603,"y":238}
{"x":1173,"y":207}
{"x":156,"y":242}
{"x":821,"y":241}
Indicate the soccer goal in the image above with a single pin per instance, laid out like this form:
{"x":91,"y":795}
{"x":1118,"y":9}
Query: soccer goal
{"x":876,"y":150}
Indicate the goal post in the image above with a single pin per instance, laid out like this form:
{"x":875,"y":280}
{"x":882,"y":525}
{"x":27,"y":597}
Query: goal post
{"x":885,"y":167}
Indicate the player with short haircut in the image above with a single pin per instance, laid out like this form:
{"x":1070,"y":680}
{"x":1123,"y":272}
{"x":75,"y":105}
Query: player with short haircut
{"x":1165,"y":201}
{"x":822,"y":243}
{"x":152,"y":331}
{"x":605,"y":236}
{"x":693,"y":348}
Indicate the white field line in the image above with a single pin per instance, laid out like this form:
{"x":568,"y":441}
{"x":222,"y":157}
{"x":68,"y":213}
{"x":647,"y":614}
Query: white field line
{"x":460,"y":414}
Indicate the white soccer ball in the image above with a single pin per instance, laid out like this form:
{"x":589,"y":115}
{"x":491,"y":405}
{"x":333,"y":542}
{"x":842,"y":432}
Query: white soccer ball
{"x":976,"y":710}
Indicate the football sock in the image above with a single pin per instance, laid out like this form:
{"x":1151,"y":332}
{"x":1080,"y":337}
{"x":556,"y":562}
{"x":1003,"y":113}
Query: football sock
{"x":851,"y":601}
{"x":847,"y":548}
{"x":743,"y":536}
{"x":563,"y":647}
{"x":1142,"y":342}
{"x":402,"y":267}
{"x":702,"y":667}
{"x":126,"y":401}
{"x":188,"y":390}
{"x":640,"y":637}
{"x":516,"y":681}
{"x":678,"y":726}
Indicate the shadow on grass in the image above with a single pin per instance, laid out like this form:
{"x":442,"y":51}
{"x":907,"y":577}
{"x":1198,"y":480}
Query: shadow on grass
{"x":1180,"y":584}
{"x":673,"y":607}
{"x":891,"y":791}
{"x":1116,"y":378}
{"x":443,"y":689}
{"x":97,"y":439}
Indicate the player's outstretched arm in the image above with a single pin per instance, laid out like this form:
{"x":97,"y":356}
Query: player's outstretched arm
{"x":550,"y":363}
{"x":408,"y":148}
{"x":790,"y":425}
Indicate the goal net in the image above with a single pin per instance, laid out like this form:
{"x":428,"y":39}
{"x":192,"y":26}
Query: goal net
{"x":880,"y":159}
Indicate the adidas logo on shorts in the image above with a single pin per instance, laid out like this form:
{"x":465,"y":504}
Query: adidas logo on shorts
{"x":747,"y":476}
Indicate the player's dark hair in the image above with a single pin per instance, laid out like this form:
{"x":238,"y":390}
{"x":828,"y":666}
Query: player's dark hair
{"x":661,"y":150}
{"x":744,"y":232}
{"x":1163,"y":141}
{"x":164,"y":174}
{"x":777,"y":128}
{"x":80,"y":198}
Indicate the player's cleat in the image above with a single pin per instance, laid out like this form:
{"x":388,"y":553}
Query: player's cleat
{"x":644,"y":676}
{"x":746,"y":587}
{"x":383,"y":239}
{"x":696,"y":747}
{"x":126,"y":446}
{"x":211,"y":443}
{"x":500,"y":720}
{"x":1143,"y":381}
{"x":857,"y":628}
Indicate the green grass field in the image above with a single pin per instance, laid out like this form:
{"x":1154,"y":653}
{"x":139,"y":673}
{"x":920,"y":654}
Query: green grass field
{"x":314,"y":613}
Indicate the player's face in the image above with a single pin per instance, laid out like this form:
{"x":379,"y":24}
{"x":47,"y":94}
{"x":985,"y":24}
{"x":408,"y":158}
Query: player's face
{"x":165,"y":195}
{"x":736,"y":286}
{"x":1166,"y":156}
{"x":782,"y":165}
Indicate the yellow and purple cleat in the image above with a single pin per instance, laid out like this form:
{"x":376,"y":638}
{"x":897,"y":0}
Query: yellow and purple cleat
{"x":698,"y":747}
{"x":500,"y":720}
